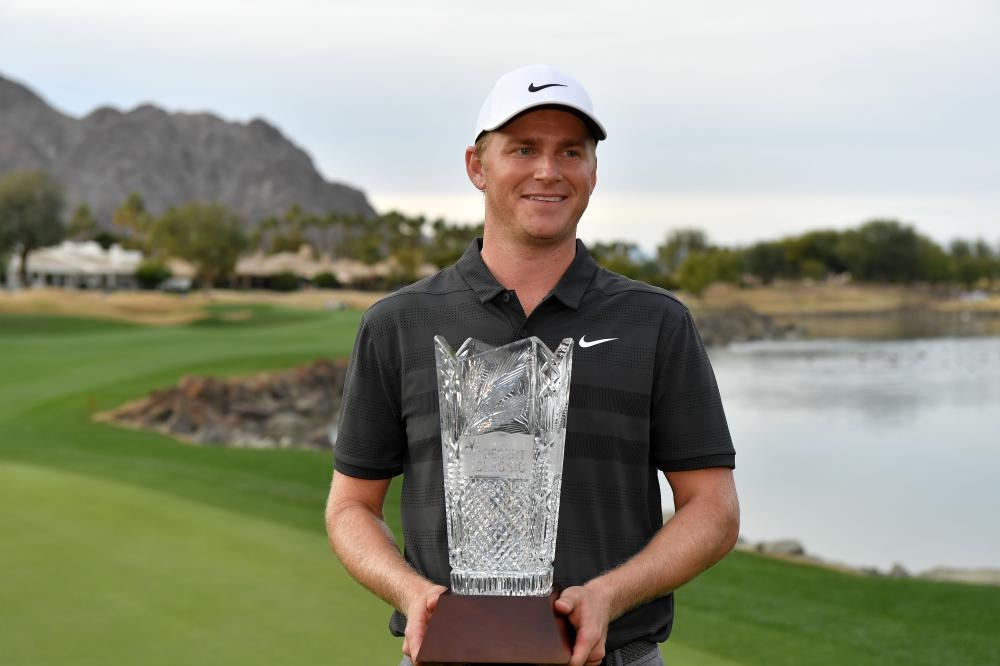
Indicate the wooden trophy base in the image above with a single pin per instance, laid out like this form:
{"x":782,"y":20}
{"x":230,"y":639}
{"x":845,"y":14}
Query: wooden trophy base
{"x":467,"y":629}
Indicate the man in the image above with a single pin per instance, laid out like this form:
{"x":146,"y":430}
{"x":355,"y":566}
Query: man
{"x":643,"y":396}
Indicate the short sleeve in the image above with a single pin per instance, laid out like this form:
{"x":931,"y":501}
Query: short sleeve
{"x":371,"y":439}
{"x":688,"y":428}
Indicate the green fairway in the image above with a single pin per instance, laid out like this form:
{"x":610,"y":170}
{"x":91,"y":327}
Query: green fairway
{"x":106,"y":572}
{"x":125,"y":547}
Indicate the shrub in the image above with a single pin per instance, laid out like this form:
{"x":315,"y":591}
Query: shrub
{"x":285,"y":281}
{"x":151,"y":274}
{"x":326,"y":280}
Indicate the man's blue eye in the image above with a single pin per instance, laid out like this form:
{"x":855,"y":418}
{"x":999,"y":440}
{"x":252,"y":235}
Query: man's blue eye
{"x":524,"y":150}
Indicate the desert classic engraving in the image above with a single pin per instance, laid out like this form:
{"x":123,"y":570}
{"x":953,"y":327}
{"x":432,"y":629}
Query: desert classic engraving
{"x":497,"y":455}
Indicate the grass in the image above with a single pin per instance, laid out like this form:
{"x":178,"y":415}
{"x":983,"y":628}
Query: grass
{"x":757,"y":610}
{"x":124,"y":547}
{"x":113,"y":573}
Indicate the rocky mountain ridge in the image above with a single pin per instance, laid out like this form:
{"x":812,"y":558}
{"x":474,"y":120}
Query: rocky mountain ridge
{"x":168,"y":158}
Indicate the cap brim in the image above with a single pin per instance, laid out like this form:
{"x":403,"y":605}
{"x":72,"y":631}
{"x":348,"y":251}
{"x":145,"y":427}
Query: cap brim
{"x":595,"y":127}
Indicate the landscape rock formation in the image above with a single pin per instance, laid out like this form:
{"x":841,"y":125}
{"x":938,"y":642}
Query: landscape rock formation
{"x":168,"y":158}
{"x":289,"y":409}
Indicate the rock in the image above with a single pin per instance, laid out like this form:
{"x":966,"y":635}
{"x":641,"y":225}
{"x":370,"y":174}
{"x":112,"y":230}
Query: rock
{"x":739,"y":323}
{"x":789,"y":548}
{"x":784,"y":547}
{"x":294,"y":408}
{"x":980,"y":576}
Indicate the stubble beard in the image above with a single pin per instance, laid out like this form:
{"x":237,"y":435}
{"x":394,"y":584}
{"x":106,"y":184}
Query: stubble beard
{"x":502,"y":223}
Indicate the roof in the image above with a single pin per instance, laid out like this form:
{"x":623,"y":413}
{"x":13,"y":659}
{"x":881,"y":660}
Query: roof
{"x":86,"y":258}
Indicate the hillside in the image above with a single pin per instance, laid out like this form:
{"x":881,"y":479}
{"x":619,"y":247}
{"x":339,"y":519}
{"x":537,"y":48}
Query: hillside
{"x":168,"y":158}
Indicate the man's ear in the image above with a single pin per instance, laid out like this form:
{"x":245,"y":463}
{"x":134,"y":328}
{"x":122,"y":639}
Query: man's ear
{"x":474,"y":168}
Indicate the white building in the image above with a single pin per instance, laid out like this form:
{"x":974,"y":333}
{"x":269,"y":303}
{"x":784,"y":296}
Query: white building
{"x":86,"y":265}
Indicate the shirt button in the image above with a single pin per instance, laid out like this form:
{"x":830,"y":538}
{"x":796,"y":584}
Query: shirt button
{"x":523,"y":333}
{"x":506,"y":297}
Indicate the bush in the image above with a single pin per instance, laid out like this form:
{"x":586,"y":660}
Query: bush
{"x":285,"y":281}
{"x":151,"y":274}
{"x":701,"y":269}
{"x":326,"y":280}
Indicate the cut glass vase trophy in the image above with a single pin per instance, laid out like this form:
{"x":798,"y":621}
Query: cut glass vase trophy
{"x":503,"y":432}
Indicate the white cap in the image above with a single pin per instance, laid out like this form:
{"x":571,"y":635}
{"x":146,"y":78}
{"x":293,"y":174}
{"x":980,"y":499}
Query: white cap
{"x":532,"y":86}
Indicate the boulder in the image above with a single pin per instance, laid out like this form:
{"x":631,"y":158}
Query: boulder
{"x":784,"y":547}
{"x":293,"y":408}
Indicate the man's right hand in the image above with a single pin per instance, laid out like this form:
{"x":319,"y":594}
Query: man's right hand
{"x":418,"y":614}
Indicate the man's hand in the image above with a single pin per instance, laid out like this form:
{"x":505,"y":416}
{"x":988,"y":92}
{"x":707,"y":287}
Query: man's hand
{"x":418,"y":614}
{"x":588,"y":611}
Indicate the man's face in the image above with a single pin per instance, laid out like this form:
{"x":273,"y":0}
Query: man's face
{"x":537,"y":173}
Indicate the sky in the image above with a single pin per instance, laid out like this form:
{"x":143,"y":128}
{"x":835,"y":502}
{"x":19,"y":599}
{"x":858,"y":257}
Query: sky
{"x":750,"y":121}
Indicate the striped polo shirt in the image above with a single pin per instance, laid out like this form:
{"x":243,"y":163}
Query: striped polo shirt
{"x":643,"y":397}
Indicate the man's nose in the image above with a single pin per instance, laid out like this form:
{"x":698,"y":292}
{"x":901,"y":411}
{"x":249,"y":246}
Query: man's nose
{"x":547,"y":168}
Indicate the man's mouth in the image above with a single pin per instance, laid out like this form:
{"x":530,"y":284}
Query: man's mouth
{"x":544,"y":197}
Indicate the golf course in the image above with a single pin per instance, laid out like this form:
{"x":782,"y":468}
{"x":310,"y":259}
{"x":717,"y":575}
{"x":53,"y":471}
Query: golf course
{"x":128,"y":547}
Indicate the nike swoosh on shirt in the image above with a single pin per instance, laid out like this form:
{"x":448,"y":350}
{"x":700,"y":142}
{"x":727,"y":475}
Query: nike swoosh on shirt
{"x":584,"y":342}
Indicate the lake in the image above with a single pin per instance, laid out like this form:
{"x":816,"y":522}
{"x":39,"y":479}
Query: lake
{"x":869,"y":453}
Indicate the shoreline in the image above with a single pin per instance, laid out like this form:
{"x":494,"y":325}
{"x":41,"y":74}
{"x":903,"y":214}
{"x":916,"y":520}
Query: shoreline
{"x":791,"y":550}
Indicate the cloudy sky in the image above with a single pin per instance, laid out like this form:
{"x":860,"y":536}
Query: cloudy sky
{"x":748,"y":120}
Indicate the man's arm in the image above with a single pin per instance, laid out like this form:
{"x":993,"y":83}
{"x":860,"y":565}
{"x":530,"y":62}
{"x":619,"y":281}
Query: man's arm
{"x":704,"y":528}
{"x":365,"y":546}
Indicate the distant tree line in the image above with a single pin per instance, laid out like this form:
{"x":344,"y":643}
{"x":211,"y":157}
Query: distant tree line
{"x":878,"y":251}
{"x":212,"y":238}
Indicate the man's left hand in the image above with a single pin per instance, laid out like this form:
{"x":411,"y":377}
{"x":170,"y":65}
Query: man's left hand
{"x":589,"y":612}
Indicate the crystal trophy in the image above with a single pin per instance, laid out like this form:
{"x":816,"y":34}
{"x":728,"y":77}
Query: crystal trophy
{"x":503,"y":432}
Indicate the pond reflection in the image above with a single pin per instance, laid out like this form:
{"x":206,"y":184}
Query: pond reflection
{"x":870,"y":453}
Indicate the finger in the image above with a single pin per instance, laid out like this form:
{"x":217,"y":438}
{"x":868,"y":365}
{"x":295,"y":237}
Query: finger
{"x":416,"y":651}
{"x":581,"y":653}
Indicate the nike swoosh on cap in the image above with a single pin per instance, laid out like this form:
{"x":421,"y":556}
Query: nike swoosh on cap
{"x":584,"y":342}
{"x":533,"y":88}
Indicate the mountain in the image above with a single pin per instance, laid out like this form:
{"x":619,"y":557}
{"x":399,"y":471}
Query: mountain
{"x":168,"y":158}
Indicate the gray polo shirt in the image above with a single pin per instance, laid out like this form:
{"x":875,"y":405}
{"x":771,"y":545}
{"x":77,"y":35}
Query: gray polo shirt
{"x":643,"y":397}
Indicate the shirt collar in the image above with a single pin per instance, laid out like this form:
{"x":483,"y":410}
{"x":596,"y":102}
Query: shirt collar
{"x":569,"y":290}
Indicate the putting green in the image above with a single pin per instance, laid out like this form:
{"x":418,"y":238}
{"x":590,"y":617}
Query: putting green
{"x":100,"y":572}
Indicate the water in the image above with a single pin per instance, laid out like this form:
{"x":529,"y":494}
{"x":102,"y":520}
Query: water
{"x":869,"y":453}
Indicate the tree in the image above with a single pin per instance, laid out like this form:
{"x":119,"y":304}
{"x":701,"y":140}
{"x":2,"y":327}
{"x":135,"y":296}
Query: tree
{"x":31,"y":204}
{"x":881,"y":251}
{"x":449,"y":241}
{"x":933,"y":264}
{"x":680,"y":243}
{"x":132,"y":223}
{"x":814,"y":253}
{"x":767,"y":260}
{"x":701,"y":269}
{"x":82,"y":226}
{"x":972,"y":262}
{"x":208,"y":235}
{"x":404,"y":238}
